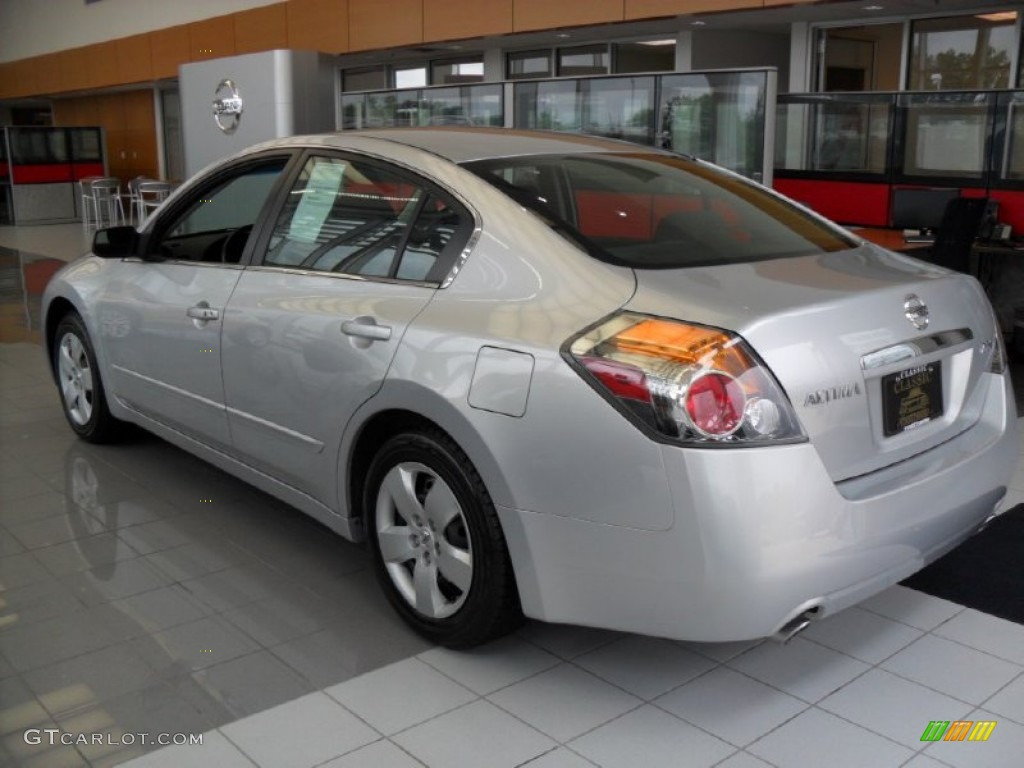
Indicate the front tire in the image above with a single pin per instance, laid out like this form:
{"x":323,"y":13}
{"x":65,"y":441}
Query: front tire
{"x":81,"y":388}
{"x":438,"y":549}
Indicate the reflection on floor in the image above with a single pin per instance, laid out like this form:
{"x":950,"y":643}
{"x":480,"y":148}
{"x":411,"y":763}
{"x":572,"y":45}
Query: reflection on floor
{"x":131,"y":605}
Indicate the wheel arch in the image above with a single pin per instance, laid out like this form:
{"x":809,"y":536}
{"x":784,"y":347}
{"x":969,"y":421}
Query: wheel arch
{"x":388,"y":414}
{"x":56,"y":311}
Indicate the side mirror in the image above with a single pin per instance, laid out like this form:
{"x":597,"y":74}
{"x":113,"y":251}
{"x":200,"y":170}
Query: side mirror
{"x":115,"y":242}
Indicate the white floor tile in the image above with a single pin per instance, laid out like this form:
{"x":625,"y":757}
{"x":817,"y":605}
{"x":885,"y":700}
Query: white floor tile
{"x":380,"y":754}
{"x":559,"y":758}
{"x":650,"y":737}
{"x":565,"y":640}
{"x":817,"y":738}
{"x":1009,"y":702}
{"x":645,"y":666}
{"x":986,"y":633}
{"x":731,"y":706}
{"x":923,"y":761}
{"x":720,"y":652}
{"x":300,"y":734}
{"x":478,"y":734}
{"x":564,"y":702}
{"x":215,"y":750}
{"x":493,"y":666}
{"x":400,"y":695}
{"x":892,"y":706}
{"x":800,"y":668}
{"x":1002,"y":750}
{"x":864,"y":635}
{"x":912,"y":607}
{"x":743,"y":760}
{"x":952,"y":668}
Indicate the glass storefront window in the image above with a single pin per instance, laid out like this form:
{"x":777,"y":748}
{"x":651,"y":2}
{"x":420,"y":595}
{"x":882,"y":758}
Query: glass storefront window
{"x":1010,"y":142}
{"x":961,"y":52}
{"x":860,"y":58}
{"x":550,"y":105}
{"x":716,"y":116}
{"x":620,"y":108}
{"x":529,"y":64}
{"x":843,"y":132}
{"x":947,"y":135}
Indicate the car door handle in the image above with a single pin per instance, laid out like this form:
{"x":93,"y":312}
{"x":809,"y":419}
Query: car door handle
{"x":202,"y":311}
{"x":364,"y":327}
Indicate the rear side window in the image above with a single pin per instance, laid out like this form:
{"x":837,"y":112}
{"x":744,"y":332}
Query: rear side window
{"x":655,"y":211}
{"x":364,"y":219}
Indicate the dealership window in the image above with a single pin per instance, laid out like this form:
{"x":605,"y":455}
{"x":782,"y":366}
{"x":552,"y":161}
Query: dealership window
{"x":409,"y":77}
{"x":365,"y":79}
{"x":457,"y":71}
{"x":529,"y":64}
{"x":962,"y":52}
{"x":584,"y":60}
{"x":860,"y":58}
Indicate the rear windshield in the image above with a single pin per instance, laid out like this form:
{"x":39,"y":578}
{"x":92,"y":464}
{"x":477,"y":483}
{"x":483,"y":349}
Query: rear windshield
{"x":653,"y":211}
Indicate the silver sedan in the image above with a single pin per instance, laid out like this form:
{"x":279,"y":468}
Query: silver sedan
{"x":552,"y":376}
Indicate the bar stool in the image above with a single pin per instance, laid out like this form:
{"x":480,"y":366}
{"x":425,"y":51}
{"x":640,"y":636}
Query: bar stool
{"x":89,"y":214}
{"x":106,"y":193}
{"x":150,"y":194}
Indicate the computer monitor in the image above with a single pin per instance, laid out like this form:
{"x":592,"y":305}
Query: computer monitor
{"x":920,"y":209}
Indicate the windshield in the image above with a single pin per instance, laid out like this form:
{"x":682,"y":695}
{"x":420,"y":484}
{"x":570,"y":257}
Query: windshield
{"x":654,"y":211}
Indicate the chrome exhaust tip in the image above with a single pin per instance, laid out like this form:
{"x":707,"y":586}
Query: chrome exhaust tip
{"x":796,"y":625}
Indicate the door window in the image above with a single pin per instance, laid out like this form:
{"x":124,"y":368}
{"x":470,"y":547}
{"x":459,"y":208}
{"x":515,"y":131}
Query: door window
{"x":215,"y":225}
{"x":360,"y":218}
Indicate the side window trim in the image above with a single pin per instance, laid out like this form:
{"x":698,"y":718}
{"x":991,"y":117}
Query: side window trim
{"x":466,"y":236}
{"x":182,"y":206}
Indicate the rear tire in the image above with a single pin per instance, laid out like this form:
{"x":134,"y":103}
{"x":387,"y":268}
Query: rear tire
{"x":438,"y":548}
{"x":81,"y":388}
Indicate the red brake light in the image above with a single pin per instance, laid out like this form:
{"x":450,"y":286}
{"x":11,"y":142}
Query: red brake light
{"x":715,"y":403}
{"x":623,"y":381}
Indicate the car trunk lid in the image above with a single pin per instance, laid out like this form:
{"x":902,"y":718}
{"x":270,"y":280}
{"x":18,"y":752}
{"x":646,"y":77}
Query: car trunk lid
{"x":845,"y":334}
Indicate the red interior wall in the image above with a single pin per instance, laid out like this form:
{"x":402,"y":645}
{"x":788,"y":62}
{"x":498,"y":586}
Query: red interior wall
{"x":846,"y":202}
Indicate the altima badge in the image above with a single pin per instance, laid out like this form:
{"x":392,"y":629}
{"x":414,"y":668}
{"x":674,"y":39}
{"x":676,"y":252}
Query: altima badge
{"x":227,"y":106}
{"x":916,"y":311}
{"x":829,"y":394}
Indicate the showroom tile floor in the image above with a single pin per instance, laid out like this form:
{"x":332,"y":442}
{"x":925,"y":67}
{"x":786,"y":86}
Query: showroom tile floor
{"x":129,"y":604}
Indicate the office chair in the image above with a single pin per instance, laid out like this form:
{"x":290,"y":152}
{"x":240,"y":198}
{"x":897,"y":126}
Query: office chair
{"x":957,"y":232}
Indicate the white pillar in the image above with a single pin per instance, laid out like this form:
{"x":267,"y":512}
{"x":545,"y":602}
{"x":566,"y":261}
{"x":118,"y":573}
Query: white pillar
{"x":801,"y":58}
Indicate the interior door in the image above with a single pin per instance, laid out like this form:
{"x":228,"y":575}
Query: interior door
{"x":356,"y":253}
{"x":161,"y":318}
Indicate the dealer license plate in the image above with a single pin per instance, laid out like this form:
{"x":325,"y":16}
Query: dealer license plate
{"x":911,"y":398}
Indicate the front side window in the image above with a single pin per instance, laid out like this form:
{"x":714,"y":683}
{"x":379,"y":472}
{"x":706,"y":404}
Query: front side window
{"x":215,"y":225}
{"x":652,"y":211}
{"x":359,"y":218}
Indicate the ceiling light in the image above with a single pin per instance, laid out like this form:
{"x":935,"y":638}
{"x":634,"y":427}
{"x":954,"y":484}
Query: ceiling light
{"x":563,"y":35}
{"x":1000,"y":16}
{"x":658,"y":42}
{"x":873,"y":8}
{"x":697,"y":23}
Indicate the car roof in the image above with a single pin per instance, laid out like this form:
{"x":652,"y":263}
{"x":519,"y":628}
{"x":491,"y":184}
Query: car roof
{"x":463,"y":144}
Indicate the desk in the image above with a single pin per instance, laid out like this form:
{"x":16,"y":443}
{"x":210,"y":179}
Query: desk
{"x":892,"y":239}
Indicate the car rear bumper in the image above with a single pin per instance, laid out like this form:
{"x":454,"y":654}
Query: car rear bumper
{"x":762,"y":535}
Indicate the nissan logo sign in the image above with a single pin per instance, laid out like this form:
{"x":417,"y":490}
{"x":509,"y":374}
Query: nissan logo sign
{"x":227,"y":106}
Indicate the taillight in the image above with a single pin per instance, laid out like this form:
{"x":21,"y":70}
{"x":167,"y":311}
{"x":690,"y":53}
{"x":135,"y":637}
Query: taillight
{"x":692,"y":383}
